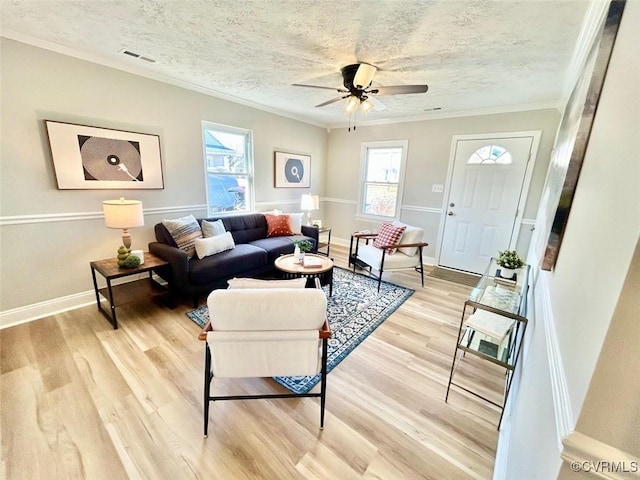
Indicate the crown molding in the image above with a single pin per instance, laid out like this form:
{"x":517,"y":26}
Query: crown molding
{"x":150,"y":74}
{"x":441,"y":115}
{"x":147,"y":73}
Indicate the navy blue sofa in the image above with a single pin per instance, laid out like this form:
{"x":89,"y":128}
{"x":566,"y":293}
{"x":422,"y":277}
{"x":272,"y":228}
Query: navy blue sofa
{"x":253,"y":255}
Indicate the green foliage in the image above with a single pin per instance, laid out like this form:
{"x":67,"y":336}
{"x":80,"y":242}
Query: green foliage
{"x":131,"y":261}
{"x":509,"y":259}
{"x":303,"y":245}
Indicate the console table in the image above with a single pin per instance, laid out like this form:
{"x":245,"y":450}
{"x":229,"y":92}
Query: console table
{"x":495,"y":330}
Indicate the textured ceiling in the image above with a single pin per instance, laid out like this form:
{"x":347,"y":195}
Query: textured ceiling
{"x":474,"y":54}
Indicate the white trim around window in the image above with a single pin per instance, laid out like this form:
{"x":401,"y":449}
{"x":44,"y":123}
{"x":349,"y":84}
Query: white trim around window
{"x":364,"y":166}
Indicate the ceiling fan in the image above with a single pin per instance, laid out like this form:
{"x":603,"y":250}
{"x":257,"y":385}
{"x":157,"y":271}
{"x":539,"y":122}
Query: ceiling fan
{"x":357,"y":89}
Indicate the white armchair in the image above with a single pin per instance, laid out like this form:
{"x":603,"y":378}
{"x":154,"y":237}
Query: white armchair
{"x":404,"y":253}
{"x":265,"y":332}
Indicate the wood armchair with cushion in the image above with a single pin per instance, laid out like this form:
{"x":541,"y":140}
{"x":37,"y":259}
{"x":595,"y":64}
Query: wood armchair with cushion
{"x":265,"y":332}
{"x":394,"y":247}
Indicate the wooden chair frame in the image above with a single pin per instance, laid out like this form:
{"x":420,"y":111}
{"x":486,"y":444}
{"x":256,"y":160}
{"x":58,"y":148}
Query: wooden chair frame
{"x":353,"y":257}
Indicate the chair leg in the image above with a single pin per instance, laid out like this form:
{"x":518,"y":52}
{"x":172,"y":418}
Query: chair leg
{"x":381,"y":269}
{"x":207,"y":387}
{"x":421,"y":267}
{"x":323,"y":382}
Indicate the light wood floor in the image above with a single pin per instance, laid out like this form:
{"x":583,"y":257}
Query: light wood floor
{"x":81,"y":400}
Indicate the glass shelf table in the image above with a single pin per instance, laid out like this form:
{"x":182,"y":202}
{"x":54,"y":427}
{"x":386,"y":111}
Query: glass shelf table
{"x":496,"y":327}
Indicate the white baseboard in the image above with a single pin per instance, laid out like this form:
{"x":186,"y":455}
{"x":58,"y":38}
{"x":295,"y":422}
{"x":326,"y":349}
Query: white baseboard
{"x":28,"y":313}
{"x":502,"y":451}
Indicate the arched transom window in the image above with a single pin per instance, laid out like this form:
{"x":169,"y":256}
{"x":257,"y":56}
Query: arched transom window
{"x":490,"y":155}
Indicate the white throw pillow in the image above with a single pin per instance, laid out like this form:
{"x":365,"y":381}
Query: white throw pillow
{"x":257,"y":283}
{"x":212,"y":229}
{"x":295,"y":222}
{"x":212,"y":245}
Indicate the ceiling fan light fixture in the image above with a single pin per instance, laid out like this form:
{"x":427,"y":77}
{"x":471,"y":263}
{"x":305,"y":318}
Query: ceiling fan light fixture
{"x":351,"y":104}
{"x":364,"y":76}
{"x":366,"y":106}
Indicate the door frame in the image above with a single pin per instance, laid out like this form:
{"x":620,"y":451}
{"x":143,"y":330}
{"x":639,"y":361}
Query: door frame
{"x":528,"y":175}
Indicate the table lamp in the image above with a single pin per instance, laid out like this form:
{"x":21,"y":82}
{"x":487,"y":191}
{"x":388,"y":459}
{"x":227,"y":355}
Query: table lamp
{"x":309,"y":203}
{"x":124,"y":214}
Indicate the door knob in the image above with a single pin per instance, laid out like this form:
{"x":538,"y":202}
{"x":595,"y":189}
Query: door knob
{"x":451,"y":214}
{"x":452,"y":204}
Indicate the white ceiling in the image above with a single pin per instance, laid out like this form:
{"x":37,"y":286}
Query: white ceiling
{"x":475,"y":55}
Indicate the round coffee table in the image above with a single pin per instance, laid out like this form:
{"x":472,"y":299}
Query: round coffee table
{"x":323,"y":271}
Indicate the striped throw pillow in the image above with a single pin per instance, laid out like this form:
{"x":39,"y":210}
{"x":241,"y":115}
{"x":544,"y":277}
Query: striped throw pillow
{"x":184,"y":231}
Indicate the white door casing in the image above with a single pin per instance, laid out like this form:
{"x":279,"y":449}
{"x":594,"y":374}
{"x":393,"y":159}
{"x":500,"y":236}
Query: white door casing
{"x":484,"y":202}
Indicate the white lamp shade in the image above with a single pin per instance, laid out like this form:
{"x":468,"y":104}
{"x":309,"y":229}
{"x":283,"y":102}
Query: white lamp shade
{"x":309,"y":202}
{"x":364,"y":76}
{"x":123,"y":213}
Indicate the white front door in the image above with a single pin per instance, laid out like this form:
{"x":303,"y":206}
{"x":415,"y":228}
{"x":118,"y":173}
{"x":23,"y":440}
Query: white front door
{"x":485,"y":190}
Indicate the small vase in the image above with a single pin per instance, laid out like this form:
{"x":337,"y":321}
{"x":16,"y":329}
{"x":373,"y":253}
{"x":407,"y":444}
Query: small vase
{"x":507,"y":272}
{"x":296,"y":254}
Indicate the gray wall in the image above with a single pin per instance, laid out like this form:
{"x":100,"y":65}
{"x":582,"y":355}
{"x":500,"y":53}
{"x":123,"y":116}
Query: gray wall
{"x":427,"y":164}
{"x":579,"y":303}
{"x":45,"y":255}
{"x":50,"y":230}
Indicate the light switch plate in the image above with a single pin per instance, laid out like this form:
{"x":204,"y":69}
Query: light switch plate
{"x":437,"y":188}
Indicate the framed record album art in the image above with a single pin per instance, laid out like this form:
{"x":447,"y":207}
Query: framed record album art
{"x":87,"y":157}
{"x":292,"y":170}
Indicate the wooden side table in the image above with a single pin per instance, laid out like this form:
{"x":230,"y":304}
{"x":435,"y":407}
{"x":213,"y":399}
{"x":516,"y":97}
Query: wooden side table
{"x":121,"y":294}
{"x":324,"y":243}
{"x":324,"y":272}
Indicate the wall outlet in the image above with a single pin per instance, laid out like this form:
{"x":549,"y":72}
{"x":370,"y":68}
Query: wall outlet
{"x":437,"y":188}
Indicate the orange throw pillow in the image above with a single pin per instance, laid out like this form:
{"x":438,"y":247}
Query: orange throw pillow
{"x":389,"y":234}
{"x":277,"y":225}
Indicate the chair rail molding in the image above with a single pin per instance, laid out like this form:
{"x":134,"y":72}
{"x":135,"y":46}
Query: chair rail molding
{"x":98,"y":215}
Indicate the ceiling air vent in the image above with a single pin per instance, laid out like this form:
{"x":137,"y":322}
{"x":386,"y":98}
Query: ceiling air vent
{"x":138,"y":56}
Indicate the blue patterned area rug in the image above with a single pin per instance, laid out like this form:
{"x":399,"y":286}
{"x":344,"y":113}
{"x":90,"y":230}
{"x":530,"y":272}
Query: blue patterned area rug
{"x":354,"y":311}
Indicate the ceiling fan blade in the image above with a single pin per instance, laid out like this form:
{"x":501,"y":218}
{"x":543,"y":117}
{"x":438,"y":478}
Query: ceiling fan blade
{"x":340,"y":90}
{"x":399,"y":89}
{"x":329,"y":102}
{"x":378,"y":106}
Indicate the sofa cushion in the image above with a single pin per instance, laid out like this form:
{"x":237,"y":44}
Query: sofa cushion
{"x":278,"y":225}
{"x":184,"y":231}
{"x":276,"y":246}
{"x":211,"y":229}
{"x":246,"y":228}
{"x":213,"y":245}
{"x":226,"y":264}
{"x":389,"y":234}
{"x":410,"y":235}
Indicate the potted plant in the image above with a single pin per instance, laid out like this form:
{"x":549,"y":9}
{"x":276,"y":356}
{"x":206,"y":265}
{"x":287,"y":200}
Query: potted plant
{"x":509,"y":261}
{"x":301,"y":247}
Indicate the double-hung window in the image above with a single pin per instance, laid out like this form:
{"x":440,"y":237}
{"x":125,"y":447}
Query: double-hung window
{"x":228,"y":166}
{"x":382,"y":179}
